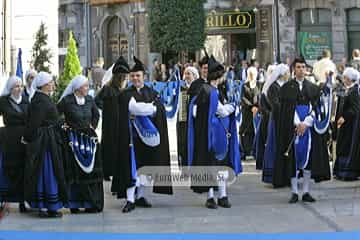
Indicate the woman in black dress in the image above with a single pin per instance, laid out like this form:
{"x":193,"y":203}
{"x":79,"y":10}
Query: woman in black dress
{"x":83,"y":166}
{"x":249,"y":108}
{"x":13,"y":108}
{"x":347,"y":165}
{"x":45,"y":186}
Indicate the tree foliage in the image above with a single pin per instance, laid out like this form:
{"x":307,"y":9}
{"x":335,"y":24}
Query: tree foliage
{"x":40,"y":53}
{"x":176,"y":25}
{"x":72,"y":66}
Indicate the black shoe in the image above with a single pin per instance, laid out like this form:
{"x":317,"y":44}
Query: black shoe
{"x":294,"y":198}
{"x":43,"y":214}
{"x":211,"y":204}
{"x":91,"y":210}
{"x":22,"y":208}
{"x":224,"y":202}
{"x":74,"y":210}
{"x":128,"y":207}
{"x":308,"y":198}
{"x":142,"y":202}
{"x":54,"y":214}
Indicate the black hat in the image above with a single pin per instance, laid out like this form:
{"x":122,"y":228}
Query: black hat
{"x":216,"y":69}
{"x":139,"y":66}
{"x":205,"y":59}
{"x":214,"y":66}
{"x":121,"y":66}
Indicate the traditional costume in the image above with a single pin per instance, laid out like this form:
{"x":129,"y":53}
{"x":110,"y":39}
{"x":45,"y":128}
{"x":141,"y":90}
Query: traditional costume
{"x":347,"y":164}
{"x":249,"y":99}
{"x":45,"y":186}
{"x":299,"y":104}
{"x":212,"y":136}
{"x":83,"y":163}
{"x":271,"y":91}
{"x":108,"y":101}
{"x":13,"y":109}
{"x":143,"y":143}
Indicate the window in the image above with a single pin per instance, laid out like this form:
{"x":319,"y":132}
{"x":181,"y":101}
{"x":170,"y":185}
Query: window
{"x":314,"y":19}
{"x":353,"y":29}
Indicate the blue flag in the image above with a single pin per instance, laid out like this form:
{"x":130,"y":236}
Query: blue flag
{"x":19,"y":69}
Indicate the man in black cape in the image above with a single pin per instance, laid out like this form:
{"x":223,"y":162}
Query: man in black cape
{"x":300,"y":147}
{"x":140,"y":101}
{"x":212,"y":107}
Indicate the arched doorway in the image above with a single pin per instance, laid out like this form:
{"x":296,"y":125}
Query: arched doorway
{"x":116,"y":43}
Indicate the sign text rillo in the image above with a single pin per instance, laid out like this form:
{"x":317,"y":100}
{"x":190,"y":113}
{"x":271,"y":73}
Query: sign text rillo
{"x":230,"y":20}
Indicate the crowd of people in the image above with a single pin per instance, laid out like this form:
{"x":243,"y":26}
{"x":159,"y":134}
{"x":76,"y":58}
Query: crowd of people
{"x":51,"y":157}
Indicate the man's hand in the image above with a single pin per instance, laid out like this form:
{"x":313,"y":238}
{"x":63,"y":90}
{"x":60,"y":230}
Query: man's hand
{"x":340,"y":122}
{"x":254,"y":111}
{"x":300,"y":129}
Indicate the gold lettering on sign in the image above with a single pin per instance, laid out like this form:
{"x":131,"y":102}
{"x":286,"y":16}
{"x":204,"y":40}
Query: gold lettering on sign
{"x":230,"y":20}
{"x":241,"y":20}
{"x":210,"y":21}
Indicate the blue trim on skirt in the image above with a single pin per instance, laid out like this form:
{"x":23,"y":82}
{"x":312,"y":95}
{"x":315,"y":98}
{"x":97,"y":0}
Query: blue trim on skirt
{"x":270,"y":154}
{"x":47,"y":194}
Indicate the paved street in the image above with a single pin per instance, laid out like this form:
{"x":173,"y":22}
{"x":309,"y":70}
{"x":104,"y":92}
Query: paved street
{"x":257,"y":208}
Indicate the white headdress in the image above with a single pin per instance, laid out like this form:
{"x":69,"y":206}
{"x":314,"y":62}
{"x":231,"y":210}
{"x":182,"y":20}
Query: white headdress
{"x":279,"y":70}
{"x":194,"y":71}
{"x":75,"y":83}
{"x":29,"y":73}
{"x":107,"y":76}
{"x":351,"y":73}
{"x":11,"y":82}
{"x":40,"y":80}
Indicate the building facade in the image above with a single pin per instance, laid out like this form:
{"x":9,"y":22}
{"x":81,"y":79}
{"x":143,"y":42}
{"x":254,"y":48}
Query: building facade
{"x":236,"y":29}
{"x":104,"y":29}
{"x":309,"y":26}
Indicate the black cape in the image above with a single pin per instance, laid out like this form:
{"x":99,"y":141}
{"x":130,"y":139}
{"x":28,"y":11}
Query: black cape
{"x":202,"y":156}
{"x":195,"y":88}
{"x":145,"y":155}
{"x":107,"y":101}
{"x":284,"y":167}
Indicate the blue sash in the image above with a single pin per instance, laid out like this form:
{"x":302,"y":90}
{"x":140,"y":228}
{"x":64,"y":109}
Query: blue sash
{"x":302,"y":144}
{"x":84,"y":150}
{"x":147,"y":131}
{"x":190,"y":132}
{"x":323,"y":111}
{"x":132,"y":154}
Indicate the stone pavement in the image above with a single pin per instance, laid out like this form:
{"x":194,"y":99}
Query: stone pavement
{"x":257,"y":208}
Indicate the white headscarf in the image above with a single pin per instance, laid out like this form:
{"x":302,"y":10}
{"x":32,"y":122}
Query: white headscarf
{"x":75,"y":84}
{"x":254,"y":72}
{"x":279,"y":71}
{"x":352,"y":74}
{"x":29,"y":73}
{"x":11,"y":82}
{"x":194,"y":72}
{"x":40,"y":80}
{"x":107,"y":76}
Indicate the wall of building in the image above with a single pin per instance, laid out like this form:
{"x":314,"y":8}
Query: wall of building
{"x":26,"y":19}
{"x":288,"y":24}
